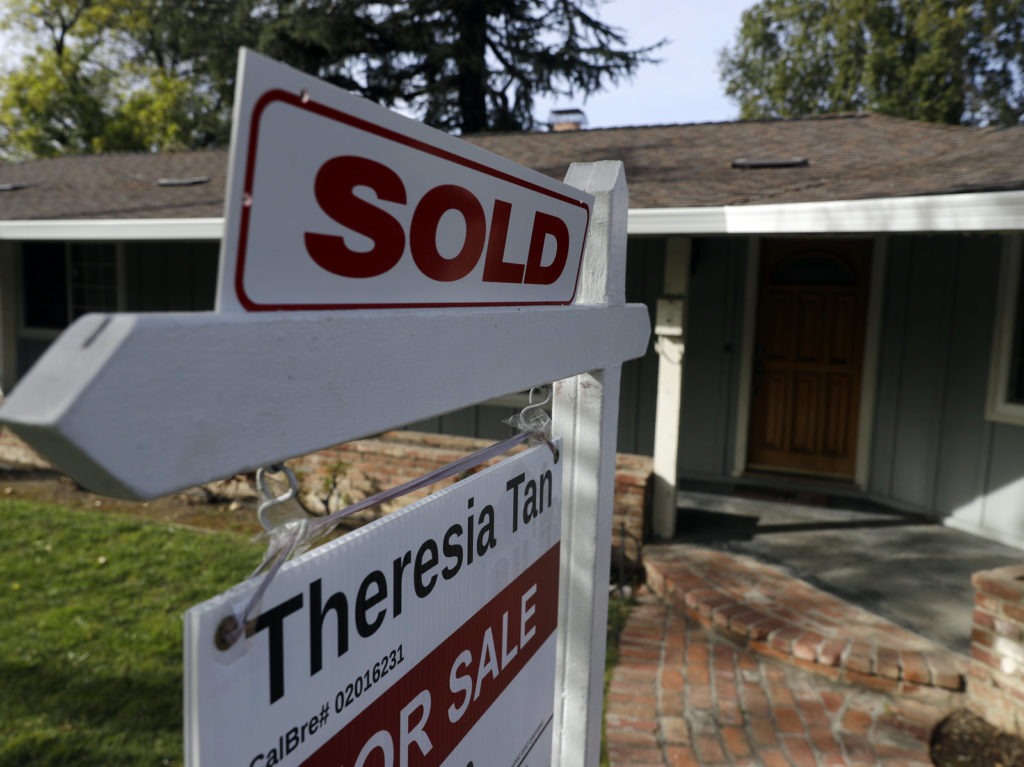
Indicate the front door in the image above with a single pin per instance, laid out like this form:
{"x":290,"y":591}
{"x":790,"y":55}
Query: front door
{"x":808,"y":356}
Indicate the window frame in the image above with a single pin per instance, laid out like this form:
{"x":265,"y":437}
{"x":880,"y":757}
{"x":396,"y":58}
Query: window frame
{"x":1009,"y":327}
{"x":34,"y":332}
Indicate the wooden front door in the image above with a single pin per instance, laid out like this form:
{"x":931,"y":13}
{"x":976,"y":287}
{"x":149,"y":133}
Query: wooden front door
{"x":808,"y":356}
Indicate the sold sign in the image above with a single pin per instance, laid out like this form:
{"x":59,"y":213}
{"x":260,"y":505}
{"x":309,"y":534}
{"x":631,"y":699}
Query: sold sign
{"x":336,"y":203}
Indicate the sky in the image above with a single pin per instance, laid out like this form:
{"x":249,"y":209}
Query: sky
{"x":684,"y":87}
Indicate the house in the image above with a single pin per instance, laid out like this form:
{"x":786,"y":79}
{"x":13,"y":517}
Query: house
{"x":835,"y":299}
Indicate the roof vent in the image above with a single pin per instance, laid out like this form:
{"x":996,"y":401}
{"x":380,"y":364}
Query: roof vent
{"x":14,"y":186}
{"x":193,"y":181}
{"x":756,"y":163}
{"x":561,"y":120}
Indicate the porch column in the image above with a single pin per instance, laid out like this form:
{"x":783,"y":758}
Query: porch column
{"x":670,"y":344}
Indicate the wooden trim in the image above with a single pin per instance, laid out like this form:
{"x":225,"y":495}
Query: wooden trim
{"x":749,"y":334}
{"x":971,"y":212}
{"x":997,"y":408}
{"x":872,"y":299}
{"x":872,"y":348}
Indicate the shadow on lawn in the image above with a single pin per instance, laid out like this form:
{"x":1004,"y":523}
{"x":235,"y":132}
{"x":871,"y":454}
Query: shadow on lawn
{"x":62,"y":715}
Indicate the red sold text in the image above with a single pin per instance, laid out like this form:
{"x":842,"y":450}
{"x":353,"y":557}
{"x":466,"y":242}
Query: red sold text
{"x":486,"y":232}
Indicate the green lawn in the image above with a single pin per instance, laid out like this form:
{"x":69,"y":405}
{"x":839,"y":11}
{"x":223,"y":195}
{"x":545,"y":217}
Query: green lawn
{"x":90,"y":632}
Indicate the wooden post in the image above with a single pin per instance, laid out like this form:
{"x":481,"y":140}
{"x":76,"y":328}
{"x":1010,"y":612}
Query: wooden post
{"x":586,"y":418}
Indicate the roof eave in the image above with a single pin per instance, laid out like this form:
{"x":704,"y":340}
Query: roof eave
{"x":114,"y":229}
{"x":973,"y":212}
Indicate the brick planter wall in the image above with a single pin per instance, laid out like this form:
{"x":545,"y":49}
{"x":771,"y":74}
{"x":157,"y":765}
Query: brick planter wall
{"x":350,"y":472}
{"x":347,"y":473}
{"x":995,"y":685}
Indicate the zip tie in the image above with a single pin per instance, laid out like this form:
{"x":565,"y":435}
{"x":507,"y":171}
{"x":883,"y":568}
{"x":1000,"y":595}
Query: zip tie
{"x":231,"y":628}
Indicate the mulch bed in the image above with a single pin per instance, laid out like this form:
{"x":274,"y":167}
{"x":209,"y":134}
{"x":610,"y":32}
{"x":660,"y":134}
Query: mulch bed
{"x":965,"y":740}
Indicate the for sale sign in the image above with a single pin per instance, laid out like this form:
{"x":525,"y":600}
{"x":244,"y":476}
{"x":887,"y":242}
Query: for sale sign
{"x":335,"y":202}
{"x":425,"y":638}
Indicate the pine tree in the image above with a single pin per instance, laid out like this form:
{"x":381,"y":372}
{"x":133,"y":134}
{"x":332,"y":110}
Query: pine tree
{"x":462,"y":65}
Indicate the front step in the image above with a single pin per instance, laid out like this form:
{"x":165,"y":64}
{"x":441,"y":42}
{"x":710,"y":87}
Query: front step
{"x":780,"y":616}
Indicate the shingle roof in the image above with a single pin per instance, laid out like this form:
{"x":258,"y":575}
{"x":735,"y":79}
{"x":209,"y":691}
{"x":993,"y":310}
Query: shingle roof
{"x":117,"y":185}
{"x":848,"y":157}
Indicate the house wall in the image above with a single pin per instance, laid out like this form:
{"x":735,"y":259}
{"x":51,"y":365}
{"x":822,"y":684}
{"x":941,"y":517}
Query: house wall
{"x":638,"y":398}
{"x":930,"y":434}
{"x":645,"y":269}
{"x":713,"y":338}
{"x":932,"y":449}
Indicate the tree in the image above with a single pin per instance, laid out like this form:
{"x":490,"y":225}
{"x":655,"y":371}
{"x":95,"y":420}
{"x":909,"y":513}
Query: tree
{"x":96,"y":80}
{"x":462,"y":65}
{"x":106,"y":75}
{"x":937,"y":60}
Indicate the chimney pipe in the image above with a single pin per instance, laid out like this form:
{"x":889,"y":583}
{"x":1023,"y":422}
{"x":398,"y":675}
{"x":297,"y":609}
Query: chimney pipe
{"x":566,"y":120}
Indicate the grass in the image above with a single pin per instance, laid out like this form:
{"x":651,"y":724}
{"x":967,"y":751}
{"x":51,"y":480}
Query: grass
{"x":90,"y":635}
{"x":618,"y":612}
{"x":90,"y":645}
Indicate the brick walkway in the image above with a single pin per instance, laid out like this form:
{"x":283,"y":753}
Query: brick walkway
{"x":688,"y":690}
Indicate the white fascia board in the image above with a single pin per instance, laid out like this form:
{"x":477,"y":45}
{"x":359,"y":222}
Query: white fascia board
{"x":677,"y":221}
{"x":114,"y":229}
{"x":975,"y":212}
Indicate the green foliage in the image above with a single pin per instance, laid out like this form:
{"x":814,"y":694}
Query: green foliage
{"x":104,"y":75}
{"x":463,"y":65}
{"x":619,"y":609}
{"x":52,"y":105}
{"x":90,"y":654}
{"x":159,"y":74}
{"x":938,"y":60}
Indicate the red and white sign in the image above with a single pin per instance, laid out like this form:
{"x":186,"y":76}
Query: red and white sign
{"x":335,"y":202}
{"x":426,"y":638}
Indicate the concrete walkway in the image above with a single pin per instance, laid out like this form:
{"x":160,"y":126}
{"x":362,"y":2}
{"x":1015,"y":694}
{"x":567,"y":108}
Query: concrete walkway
{"x":754,"y":644}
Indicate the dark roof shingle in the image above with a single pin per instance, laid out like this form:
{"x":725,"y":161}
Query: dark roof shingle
{"x":848,"y":157}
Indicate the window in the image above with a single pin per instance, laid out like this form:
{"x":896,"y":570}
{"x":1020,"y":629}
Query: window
{"x":45,"y":291}
{"x":93,"y":283}
{"x":1006,"y":376}
{"x":60,"y":283}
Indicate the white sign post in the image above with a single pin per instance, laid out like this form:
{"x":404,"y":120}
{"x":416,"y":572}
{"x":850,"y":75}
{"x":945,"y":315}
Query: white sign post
{"x":139,"y":405}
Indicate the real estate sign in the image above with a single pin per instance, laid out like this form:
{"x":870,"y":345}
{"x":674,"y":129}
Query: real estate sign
{"x":426,"y":638}
{"x":334,"y":202}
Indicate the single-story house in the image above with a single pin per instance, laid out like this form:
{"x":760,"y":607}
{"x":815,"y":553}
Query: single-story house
{"x":836,"y":300}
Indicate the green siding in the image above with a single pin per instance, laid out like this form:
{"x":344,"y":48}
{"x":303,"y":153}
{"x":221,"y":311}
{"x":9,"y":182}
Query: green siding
{"x":714,"y":327}
{"x":930,"y":448}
